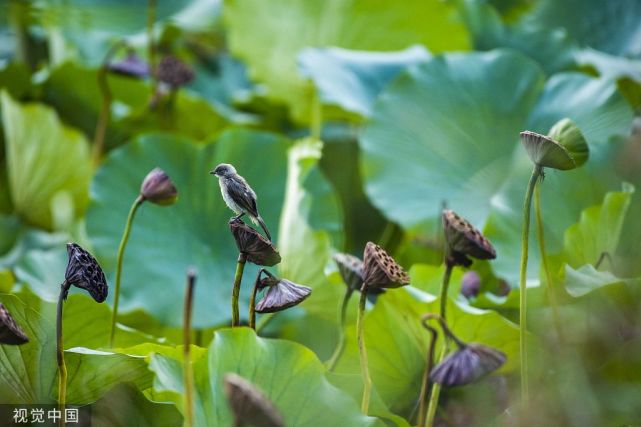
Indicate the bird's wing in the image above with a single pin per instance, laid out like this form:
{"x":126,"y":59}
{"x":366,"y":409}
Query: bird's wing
{"x":243,"y":195}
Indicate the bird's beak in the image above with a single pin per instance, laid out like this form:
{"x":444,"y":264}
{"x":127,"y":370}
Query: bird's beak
{"x":212,"y":172}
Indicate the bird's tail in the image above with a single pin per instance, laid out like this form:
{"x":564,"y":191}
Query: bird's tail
{"x":258,"y":220}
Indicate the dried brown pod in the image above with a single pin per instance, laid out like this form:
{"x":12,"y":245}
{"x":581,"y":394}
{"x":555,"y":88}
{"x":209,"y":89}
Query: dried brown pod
{"x":83,"y":271}
{"x":174,"y":72}
{"x":158,"y":188}
{"x":281,"y":294}
{"x":464,"y":240}
{"x":10,"y":332}
{"x":249,"y":405}
{"x":351,"y":269}
{"x":380,"y":270}
{"x":467,"y":364}
{"x":254,"y":245}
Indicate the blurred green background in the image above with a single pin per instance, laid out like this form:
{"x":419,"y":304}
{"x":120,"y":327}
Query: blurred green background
{"x":354,"y":121}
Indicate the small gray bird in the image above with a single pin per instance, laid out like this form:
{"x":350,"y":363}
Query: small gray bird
{"x":238,"y":195}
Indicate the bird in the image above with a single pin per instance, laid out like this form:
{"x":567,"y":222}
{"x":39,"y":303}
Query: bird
{"x":238,"y":195}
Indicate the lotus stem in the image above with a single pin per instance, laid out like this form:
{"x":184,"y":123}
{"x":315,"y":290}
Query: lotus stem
{"x":536,"y":173}
{"x":429,"y":364}
{"x":316,"y":124}
{"x":367,"y":381}
{"x":60,"y":356}
{"x":544,"y":260}
{"x":151,"y":45}
{"x":602,"y":257}
{"x":252,"y":301}
{"x":188,"y":373}
{"x":342,"y":316}
{"x":238,"y":278}
{"x":436,"y":388}
{"x":121,"y":251}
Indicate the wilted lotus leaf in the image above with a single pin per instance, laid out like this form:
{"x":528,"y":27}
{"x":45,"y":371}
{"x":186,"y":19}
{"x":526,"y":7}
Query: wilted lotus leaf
{"x":351,"y":269}
{"x":570,"y":137}
{"x":10,"y":332}
{"x":84,"y":272}
{"x":380,"y":270}
{"x":249,"y":405}
{"x":546,"y":152}
{"x":174,"y":72}
{"x":281,"y":295}
{"x":158,"y":188}
{"x":467,"y":364}
{"x":254,"y":245}
{"x":464,"y":240}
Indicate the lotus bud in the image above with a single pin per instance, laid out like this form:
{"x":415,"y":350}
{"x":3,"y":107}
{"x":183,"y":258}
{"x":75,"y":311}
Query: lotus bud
{"x":380,"y":270}
{"x":249,"y":405}
{"x":470,"y":284}
{"x":250,"y":242}
{"x":10,"y":332}
{"x":83,"y":271}
{"x":569,"y":136}
{"x":158,"y":188}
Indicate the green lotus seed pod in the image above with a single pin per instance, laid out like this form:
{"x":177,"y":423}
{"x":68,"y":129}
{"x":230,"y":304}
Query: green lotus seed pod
{"x":570,"y":137}
{"x":546,"y":152}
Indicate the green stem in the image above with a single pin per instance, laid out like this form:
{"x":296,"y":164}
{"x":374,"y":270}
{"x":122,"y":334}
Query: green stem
{"x":188,"y":373}
{"x":436,"y":388}
{"x":536,"y":173}
{"x":252,"y":301}
{"x":317,"y":116}
{"x":151,"y":45}
{"x":240,"y":267}
{"x":367,"y":381}
{"x":60,"y":356}
{"x":544,"y":260}
{"x":121,"y":252}
{"x":426,"y":376}
{"x":342,"y":316}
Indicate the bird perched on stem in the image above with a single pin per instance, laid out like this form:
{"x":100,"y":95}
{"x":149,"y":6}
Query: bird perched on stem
{"x":238,"y":195}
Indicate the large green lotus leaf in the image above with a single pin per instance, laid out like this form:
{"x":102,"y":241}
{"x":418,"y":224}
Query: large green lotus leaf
{"x":598,"y":230}
{"x":311,"y":222}
{"x":553,"y":49}
{"x":289,"y":374}
{"x":15,"y":78}
{"x":165,"y":241}
{"x":74,"y":91}
{"x":603,"y":116}
{"x":436,"y":134}
{"x":45,"y":160}
{"x":269,"y":36}
{"x":610,"y":26}
{"x":397,"y":343}
{"x":352,"y":79}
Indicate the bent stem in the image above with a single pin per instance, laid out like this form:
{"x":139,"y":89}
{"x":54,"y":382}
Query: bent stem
{"x":429,"y":364}
{"x":367,"y":381}
{"x":544,"y":260}
{"x":60,"y":356}
{"x":121,"y":252}
{"x":342,"y":316}
{"x":536,"y":173}
{"x":240,"y":267}
{"x":188,"y":373}
{"x":252,"y":301}
{"x":436,"y":388}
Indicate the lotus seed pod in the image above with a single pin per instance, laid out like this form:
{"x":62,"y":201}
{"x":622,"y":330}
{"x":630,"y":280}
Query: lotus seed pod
{"x":546,"y":152}
{"x":174,"y":72}
{"x":380,"y":270}
{"x":464,"y":240}
{"x":83,"y":271}
{"x":281,"y":294}
{"x":467,"y":364}
{"x":158,"y":188}
{"x":351,"y":269}
{"x":249,"y":405}
{"x":250,"y":242}
{"x":570,"y":137}
{"x":10,"y":332}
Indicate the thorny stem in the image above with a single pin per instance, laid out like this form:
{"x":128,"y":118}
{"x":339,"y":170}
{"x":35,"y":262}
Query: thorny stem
{"x":105,"y":110}
{"x":367,"y":381}
{"x":188,"y":373}
{"x":252,"y":301}
{"x":536,"y":173}
{"x":436,"y":388}
{"x":342,"y":316}
{"x":544,"y":260}
{"x":60,"y":356}
{"x":240,"y":267}
{"x":121,"y":251}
